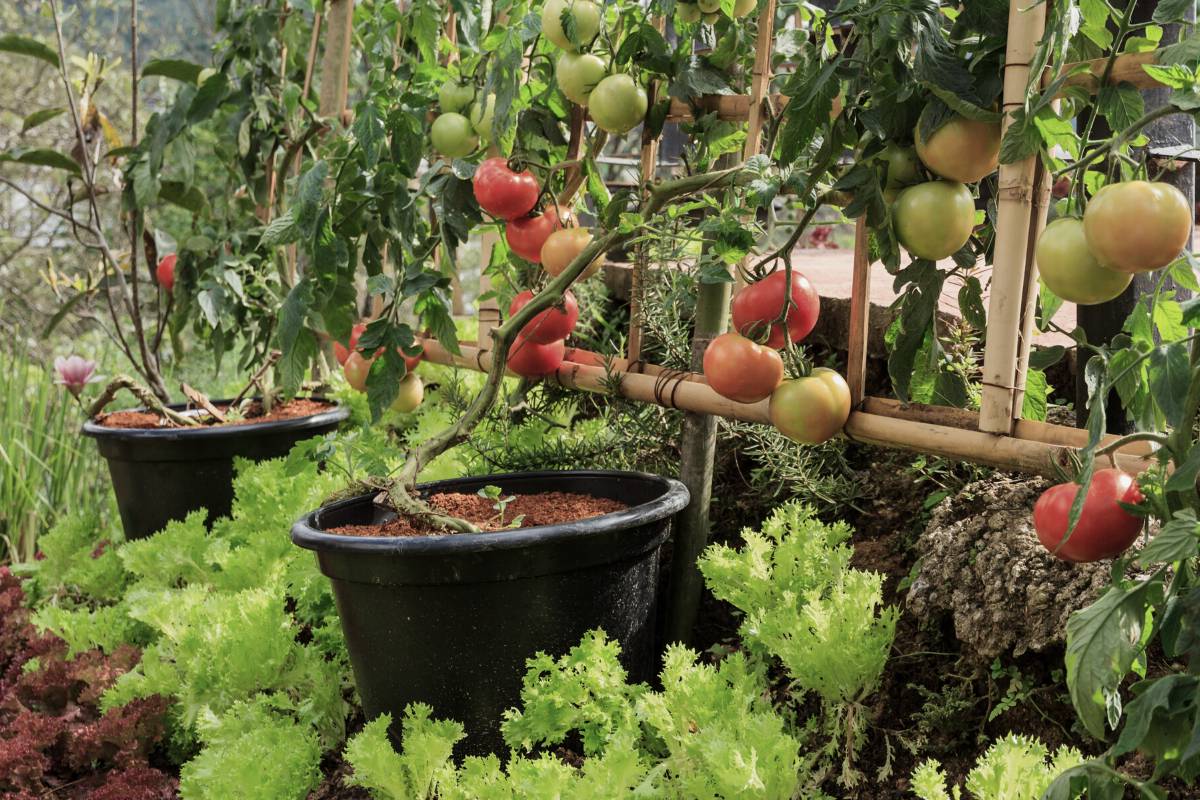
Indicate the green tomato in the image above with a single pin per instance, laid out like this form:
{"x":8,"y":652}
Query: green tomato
{"x":586,"y":17}
{"x":903,"y":167}
{"x":410,"y":395}
{"x":711,"y":19}
{"x":1070,"y":269}
{"x":455,"y":96}
{"x":578,"y":75}
{"x":453,"y":136}
{"x":709,"y":6}
{"x":934,"y":219}
{"x":617,"y":104}
{"x":482,"y":115}
{"x":743,"y":7}
{"x":688,"y":12}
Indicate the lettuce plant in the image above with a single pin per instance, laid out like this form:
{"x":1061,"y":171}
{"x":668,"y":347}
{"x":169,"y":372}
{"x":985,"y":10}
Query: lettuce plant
{"x":1014,"y":768}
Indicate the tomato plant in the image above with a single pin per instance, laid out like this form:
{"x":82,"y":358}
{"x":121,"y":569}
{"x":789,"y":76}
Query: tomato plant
{"x":1069,"y":268}
{"x":502,"y":192}
{"x":757,"y":308}
{"x":812,"y":409}
{"x":1138,"y":226}
{"x":551,"y":325}
{"x":1104,"y":529}
{"x":740,"y":369}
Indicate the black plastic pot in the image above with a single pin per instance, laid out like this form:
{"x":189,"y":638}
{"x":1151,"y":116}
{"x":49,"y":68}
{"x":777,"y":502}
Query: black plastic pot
{"x":163,"y":474}
{"x":450,"y":620}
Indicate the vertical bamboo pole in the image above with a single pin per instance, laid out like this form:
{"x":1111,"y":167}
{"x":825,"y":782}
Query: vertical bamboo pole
{"x":648,"y":171}
{"x":760,"y":82}
{"x":699,"y":444}
{"x":1041,"y":205}
{"x":335,"y":68}
{"x":860,"y":315}
{"x":487,"y":310}
{"x":1013,"y":222}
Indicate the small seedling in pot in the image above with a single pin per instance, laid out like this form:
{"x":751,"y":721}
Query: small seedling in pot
{"x":499,"y":503}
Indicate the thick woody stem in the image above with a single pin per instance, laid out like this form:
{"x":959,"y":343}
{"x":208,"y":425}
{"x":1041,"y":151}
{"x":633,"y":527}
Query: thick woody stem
{"x":402,"y":493}
{"x":144,"y":395}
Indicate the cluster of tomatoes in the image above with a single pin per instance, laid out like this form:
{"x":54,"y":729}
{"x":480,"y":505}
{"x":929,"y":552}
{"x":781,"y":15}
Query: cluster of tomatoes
{"x":465,"y":120}
{"x":709,"y":11}
{"x":1130,"y":227}
{"x":356,"y":366}
{"x":1104,"y":529}
{"x":546,"y":237}
{"x":811,"y":409}
{"x":934,"y":219}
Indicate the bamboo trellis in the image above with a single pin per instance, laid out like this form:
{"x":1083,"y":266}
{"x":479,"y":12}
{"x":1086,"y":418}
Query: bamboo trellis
{"x":994,"y":436}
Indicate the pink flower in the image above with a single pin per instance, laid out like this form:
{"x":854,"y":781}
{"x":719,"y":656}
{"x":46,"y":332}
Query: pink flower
{"x":75,"y":373}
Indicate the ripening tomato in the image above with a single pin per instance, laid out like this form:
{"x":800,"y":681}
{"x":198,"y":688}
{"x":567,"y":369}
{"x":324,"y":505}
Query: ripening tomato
{"x":551,"y":325}
{"x":962,"y":150}
{"x":1068,"y":267}
{"x":410,"y":395}
{"x":934,"y":219}
{"x":342,"y":351}
{"x":761,"y":303}
{"x":533,"y":360}
{"x":688,"y":12}
{"x":743,"y":7}
{"x":1137,"y":226}
{"x":1104,"y":530}
{"x":482,"y":113}
{"x":813,"y":409}
{"x":617,"y":104}
{"x":452,"y":135}
{"x":578,"y":74}
{"x":356,"y":369}
{"x":742,"y":370}
{"x":502,"y":192}
{"x":526,"y":235}
{"x":585,"y":16}
{"x":903,"y":168}
{"x":562,"y":246}
{"x":709,"y":6}
{"x":455,"y":96}
{"x":164,"y":272}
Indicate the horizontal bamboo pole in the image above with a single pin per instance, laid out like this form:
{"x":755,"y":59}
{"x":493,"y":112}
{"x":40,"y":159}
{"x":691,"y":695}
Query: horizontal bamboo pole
{"x":1126,"y":69}
{"x":936,"y":430}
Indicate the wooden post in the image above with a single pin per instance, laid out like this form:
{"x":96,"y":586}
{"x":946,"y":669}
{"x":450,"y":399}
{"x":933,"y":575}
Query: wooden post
{"x":760,"y":82}
{"x":860,"y":315}
{"x":1041,"y":205}
{"x":699,"y":446}
{"x":1014,"y":214}
{"x":335,"y":68}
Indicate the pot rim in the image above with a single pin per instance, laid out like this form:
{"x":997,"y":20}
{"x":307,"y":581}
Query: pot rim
{"x":306,"y":532}
{"x":337,"y":413}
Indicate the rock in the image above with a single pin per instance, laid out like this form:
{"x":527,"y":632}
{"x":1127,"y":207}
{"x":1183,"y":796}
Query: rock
{"x":982,"y":563}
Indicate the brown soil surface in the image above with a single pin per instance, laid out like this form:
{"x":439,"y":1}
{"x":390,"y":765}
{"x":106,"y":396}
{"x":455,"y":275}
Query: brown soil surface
{"x":292,"y":409}
{"x":536,"y":509}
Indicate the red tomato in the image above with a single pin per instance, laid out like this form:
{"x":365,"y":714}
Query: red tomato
{"x":740,"y":369}
{"x":811,"y":410}
{"x":165,"y":272}
{"x":526,"y":235}
{"x":355,"y":369}
{"x":553,"y":324}
{"x":1104,"y":530}
{"x":533,"y":360}
{"x":502,"y":192}
{"x":584,"y":357}
{"x":342,"y":351}
{"x":761,"y":303}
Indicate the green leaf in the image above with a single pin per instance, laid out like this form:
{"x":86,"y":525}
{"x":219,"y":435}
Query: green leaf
{"x":42,"y":157}
{"x":24,"y":46}
{"x":1170,"y":374}
{"x":1122,"y":105}
{"x":1021,"y":140}
{"x":1173,"y":10}
{"x":1159,"y":720}
{"x":1102,"y":642}
{"x":383,"y":381}
{"x":309,"y":192}
{"x":40,"y":117}
{"x":281,"y":230}
{"x":916,"y":318}
{"x":1033,"y":403}
{"x":183,"y":195}
{"x":174,"y":68}
{"x":1177,"y":540}
{"x":208,"y":97}
{"x":369,"y":133}
{"x":1044,"y":357}
{"x":970,"y":303}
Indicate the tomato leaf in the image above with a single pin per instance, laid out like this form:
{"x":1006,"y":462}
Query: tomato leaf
{"x":383,"y":381}
{"x":182,"y":195}
{"x":1173,"y":10}
{"x":178,"y":69}
{"x":1170,"y":374}
{"x":42,"y":157}
{"x":970,"y":303}
{"x":281,"y":230}
{"x":919,"y":303}
{"x":1165,"y":707}
{"x":1102,"y":642}
{"x":1177,"y":540}
{"x":24,"y":46}
{"x":40,"y":117}
{"x":1044,"y":357}
{"x":1122,"y":105}
{"x":1033,"y":402}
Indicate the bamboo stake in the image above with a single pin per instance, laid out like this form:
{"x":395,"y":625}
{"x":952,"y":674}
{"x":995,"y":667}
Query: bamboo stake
{"x":860,"y":315}
{"x":760,"y":82}
{"x":1041,"y":205}
{"x":335,"y":68}
{"x":929,"y":429}
{"x":1014,"y":209}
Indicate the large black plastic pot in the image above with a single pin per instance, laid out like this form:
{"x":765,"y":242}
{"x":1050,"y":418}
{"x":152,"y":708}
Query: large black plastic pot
{"x":163,"y":474}
{"x":450,"y":620}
